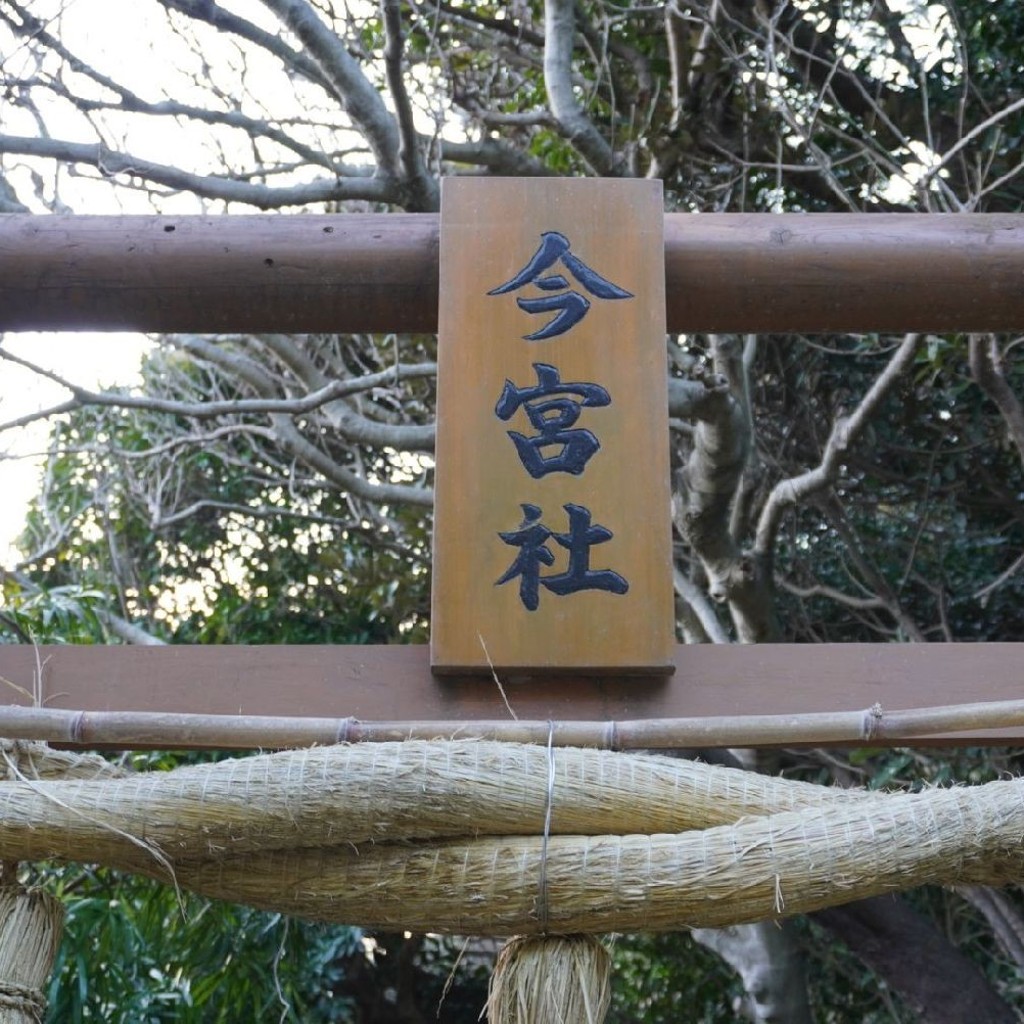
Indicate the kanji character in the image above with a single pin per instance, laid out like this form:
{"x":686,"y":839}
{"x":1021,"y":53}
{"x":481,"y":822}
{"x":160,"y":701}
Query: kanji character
{"x":553,"y":419}
{"x":570,"y":305}
{"x":532,"y":539}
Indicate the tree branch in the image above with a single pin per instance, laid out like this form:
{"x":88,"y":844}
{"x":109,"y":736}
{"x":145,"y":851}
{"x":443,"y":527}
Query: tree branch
{"x":845,"y":431}
{"x":916,"y":960}
{"x":707,"y":486}
{"x":767,"y":958}
{"x":229,"y":190}
{"x":968,"y":137}
{"x":1003,"y":918}
{"x":832,"y":594}
{"x":9,"y":201}
{"x":422,"y":188}
{"x":705,"y":627}
{"x":293,"y":440}
{"x":986,"y":364}
{"x":349,"y":425}
{"x":360,"y":98}
{"x":874,"y":580}
{"x":496,"y":156}
{"x":224,"y":21}
{"x":129,"y":632}
{"x":559,"y":39}
{"x":127,"y":100}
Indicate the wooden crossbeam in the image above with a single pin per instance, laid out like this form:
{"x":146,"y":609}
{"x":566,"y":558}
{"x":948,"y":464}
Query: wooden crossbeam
{"x":394,"y":684}
{"x":765,"y":273}
{"x":728,"y":272}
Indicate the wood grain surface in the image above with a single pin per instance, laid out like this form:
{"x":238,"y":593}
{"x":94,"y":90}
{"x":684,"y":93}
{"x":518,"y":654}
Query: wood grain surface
{"x":768,"y":273}
{"x":618,"y":615}
{"x":381,"y":683}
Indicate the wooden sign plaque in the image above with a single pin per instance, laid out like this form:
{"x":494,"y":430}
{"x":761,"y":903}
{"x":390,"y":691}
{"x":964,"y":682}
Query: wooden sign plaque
{"x":552,"y":536}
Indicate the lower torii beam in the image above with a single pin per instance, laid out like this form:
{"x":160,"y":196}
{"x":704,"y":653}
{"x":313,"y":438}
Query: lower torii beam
{"x":394,"y":684}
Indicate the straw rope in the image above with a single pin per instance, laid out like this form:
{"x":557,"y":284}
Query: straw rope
{"x":20,"y":1001}
{"x":759,"y":869}
{"x":451,"y":837}
{"x":38,"y":760}
{"x":338,"y":795}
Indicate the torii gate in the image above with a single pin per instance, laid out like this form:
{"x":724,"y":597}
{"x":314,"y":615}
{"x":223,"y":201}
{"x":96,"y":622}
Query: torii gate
{"x":723,"y":273}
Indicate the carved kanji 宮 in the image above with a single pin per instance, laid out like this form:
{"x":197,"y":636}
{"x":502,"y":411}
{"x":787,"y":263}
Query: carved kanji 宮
{"x":554,"y":420}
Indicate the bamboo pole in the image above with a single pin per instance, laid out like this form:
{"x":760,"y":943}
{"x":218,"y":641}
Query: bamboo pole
{"x":379,"y":272}
{"x":380,"y":683}
{"x":129,"y":729}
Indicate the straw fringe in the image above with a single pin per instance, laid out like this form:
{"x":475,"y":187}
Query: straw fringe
{"x":31,"y":922}
{"x":38,"y":760}
{"x":564,"y":979}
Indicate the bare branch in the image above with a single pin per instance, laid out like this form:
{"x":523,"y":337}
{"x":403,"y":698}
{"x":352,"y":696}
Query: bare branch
{"x":495,"y":155}
{"x":345,"y":479}
{"x":767,"y":957}
{"x":127,"y":100}
{"x":845,"y":431}
{"x":707,"y":486}
{"x":205,"y":439}
{"x":294,"y":442}
{"x":559,"y":39}
{"x":873,"y":579}
{"x":129,"y":632}
{"x":9,"y":201}
{"x":208,"y":11}
{"x":968,"y":137}
{"x":366,"y":431}
{"x":229,"y":190}
{"x":421,"y":186}
{"x":42,"y":414}
{"x":904,"y":947}
{"x":1004,"y":919}
{"x":986,"y":592}
{"x":511,"y":28}
{"x":694,"y":599}
{"x":677,"y":38}
{"x":342,"y":70}
{"x":711,"y":474}
{"x":833,"y":594}
{"x":986,"y":364}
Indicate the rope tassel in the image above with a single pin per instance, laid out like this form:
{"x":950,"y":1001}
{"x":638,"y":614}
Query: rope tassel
{"x":550,"y":979}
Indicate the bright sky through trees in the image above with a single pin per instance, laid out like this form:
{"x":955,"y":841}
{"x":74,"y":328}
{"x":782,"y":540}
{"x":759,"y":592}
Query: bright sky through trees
{"x":88,"y":359}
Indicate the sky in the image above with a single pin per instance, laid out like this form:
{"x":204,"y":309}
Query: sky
{"x":132,"y":33}
{"x":88,"y":359}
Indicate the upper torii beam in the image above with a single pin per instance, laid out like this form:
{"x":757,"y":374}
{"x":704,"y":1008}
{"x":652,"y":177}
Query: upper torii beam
{"x":764,"y":273}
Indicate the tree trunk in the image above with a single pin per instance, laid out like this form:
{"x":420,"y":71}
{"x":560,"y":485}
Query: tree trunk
{"x":916,"y":960}
{"x":768,"y":960}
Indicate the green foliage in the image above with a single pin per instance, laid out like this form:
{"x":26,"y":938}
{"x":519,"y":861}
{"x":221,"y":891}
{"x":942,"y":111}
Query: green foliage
{"x":133,"y":953}
{"x":63,"y":614}
{"x":670,"y":979}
